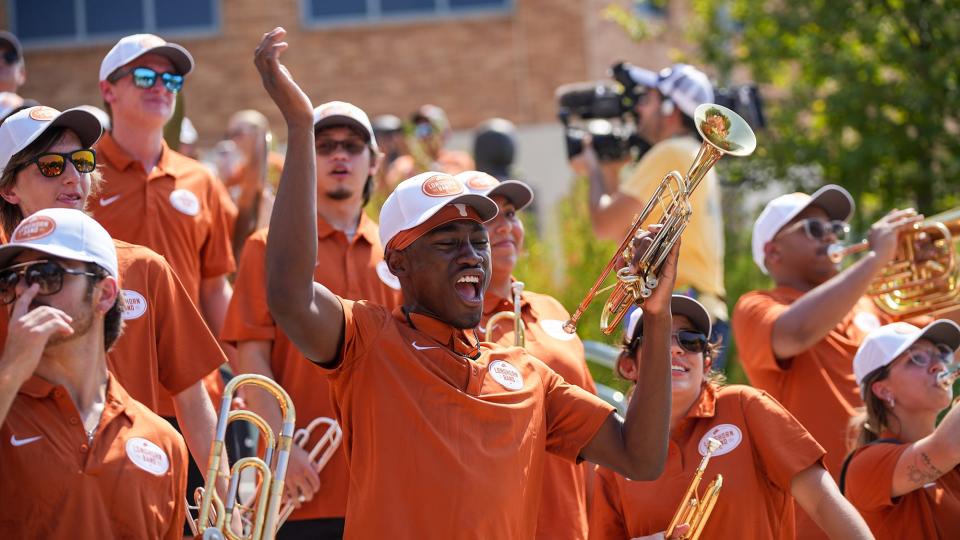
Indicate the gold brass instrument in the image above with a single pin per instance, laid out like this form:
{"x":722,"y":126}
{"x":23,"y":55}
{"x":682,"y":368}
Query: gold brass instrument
{"x":320,"y":454}
{"x":723,"y":132}
{"x":260,"y":518}
{"x":924,"y":276}
{"x":693,"y":509}
{"x":519,"y":329}
{"x":949,"y":376}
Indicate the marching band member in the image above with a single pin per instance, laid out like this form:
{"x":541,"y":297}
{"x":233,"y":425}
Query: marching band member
{"x":767,"y":458}
{"x":797,"y":340}
{"x":563,"y":504}
{"x":79,"y":457}
{"x":350,"y":264}
{"x":482,"y":417}
{"x":904,"y":476}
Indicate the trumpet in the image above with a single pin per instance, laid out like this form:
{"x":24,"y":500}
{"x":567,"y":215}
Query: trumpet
{"x":924,"y":276}
{"x":694,"y":510}
{"x":321,"y":453}
{"x":519,"y":329}
{"x":724,"y":132}
{"x":260,"y":521}
{"x":949,"y":376}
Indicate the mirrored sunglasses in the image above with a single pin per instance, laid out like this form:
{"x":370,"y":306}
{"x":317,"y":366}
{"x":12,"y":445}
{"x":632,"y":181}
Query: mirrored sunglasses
{"x":144,"y":77}
{"x":52,"y":164}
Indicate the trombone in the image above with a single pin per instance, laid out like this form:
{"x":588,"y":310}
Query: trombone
{"x":519,"y":329}
{"x":723,"y":132}
{"x":694,"y":510}
{"x":260,"y":521}
{"x":320,"y":454}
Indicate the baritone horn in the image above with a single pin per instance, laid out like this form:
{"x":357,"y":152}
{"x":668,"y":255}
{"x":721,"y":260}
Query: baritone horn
{"x":924,"y":276}
{"x":519,"y":329}
{"x":260,"y":517}
{"x":695,"y":510}
{"x":724,"y":132}
{"x":321,"y":453}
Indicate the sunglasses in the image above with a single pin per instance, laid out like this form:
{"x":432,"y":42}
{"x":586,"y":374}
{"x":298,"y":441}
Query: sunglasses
{"x":11,"y":57}
{"x":689,"y":340}
{"x":423,"y":130}
{"x":327,"y":147}
{"x":924,"y":357}
{"x":816,"y":229}
{"x":47,"y":274}
{"x":144,"y":77}
{"x":52,"y":164}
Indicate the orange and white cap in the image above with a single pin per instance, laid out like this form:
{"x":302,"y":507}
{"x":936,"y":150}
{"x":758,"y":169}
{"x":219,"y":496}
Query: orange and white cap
{"x":22,"y":128}
{"x":518,"y":193}
{"x":883,"y":345}
{"x":65,"y":233}
{"x":132,"y":47}
{"x":337,"y":113}
{"x":417,"y":199}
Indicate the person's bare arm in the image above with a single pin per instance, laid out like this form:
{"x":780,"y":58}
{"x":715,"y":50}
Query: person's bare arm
{"x":215,"y":293}
{"x":810,"y":319}
{"x":611,"y":211}
{"x":818,"y":495}
{"x":308,"y":313}
{"x":929,"y":458}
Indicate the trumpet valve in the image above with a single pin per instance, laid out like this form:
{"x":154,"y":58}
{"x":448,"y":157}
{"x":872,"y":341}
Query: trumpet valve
{"x":569,"y":327}
{"x":645,"y":292}
{"x":652,"y":282}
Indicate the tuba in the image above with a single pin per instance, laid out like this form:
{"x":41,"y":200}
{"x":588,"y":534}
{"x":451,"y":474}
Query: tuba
{"x":693,"y":509}
{"x":924,"y":276}
{"x":519,"y":330}
{"x":723,"y":132}
{"x":321,"y":453}
{"x":260,"y":517}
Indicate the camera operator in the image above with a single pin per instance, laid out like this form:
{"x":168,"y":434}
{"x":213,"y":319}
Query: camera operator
{"x":664,"y":107}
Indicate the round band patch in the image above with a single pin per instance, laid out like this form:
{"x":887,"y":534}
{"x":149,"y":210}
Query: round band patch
{"x":442,"y":185}
{"x":481,"y":181}
{"x":34,"y":228}
{"x":554,"y":329}
{"x":505,"y":374}
{"x":43,"y":114}
{"x":148,"y":456}
{"x":134,"y":305}
{"x":729,"y":436}
{"x":866,"y":321}
{"x":185,"y":201}
{"x":387,"y":277}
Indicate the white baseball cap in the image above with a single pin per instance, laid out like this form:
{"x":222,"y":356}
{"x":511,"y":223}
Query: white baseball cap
{"x":883,"y":345}
{"x":335,"y":113}
{"x":518,"y":193}
{"x":417,"y":199}
{"x":833,"y":199}
{"x":132,"y":47}
{"x":22,"y":128}
{"x":685,"y":85}
{"x":66,"y":233}
{"x":679,"y":305}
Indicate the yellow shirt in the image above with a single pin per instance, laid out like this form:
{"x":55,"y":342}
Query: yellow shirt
{"x":701,"y":254}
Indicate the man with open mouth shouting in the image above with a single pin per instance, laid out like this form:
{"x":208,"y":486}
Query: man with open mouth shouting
{"x":444,"y":436}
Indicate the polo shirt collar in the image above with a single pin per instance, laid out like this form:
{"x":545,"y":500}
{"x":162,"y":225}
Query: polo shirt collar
{"x":705,"y":407}
{"x":38,"y":387}
{"x":366,"y":229}
{"x":112,"y":152}
{"x":462,"y":342}
{"x":493,"y":303}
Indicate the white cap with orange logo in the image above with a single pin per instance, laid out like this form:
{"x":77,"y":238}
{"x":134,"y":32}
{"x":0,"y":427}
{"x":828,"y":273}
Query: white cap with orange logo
{"x":132,"y":47}
{"x":21,"y":129}
{"x":65,"y":233}
{"x":417,"y":199}
{"x":518,"y":193}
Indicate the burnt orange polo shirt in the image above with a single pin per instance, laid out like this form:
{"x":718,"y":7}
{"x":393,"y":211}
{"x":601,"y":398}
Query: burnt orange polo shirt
{"x":346,"y":268}
{"x":818,"y":387}
{"x":442,"y":445}
{"x":764,"y":447}
{"x":165,"y":346}
{"x":563,"y":502}
{"x":129,"y":482}
{"x":178,"y":210}
{"x":932,"y":511}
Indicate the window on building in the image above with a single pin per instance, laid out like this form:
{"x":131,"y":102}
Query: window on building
{"x":320,"y":12}
{"x":87,"y":21}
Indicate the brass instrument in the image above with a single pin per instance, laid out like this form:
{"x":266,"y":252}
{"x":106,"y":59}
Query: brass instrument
{"x":519,"y":329}
{"x":949,"y":376}
{"x":924,"y":276}
{"x":723,"y":132}
{"x":260,"y":519}
{"x":693,"y":509}
{"x":320,"y":454}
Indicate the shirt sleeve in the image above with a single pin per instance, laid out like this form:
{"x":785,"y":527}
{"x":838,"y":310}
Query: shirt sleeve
{"x":362,"y":323}
{"x":650,"y":170}
{"x":869,"y":480}
{"x":216,"y":254}
{"x":574,"y":415}
{"x":753,"y":320}
{"x":782,"y":445}
{"x":248,"y":317}
{"x":606,"y":512}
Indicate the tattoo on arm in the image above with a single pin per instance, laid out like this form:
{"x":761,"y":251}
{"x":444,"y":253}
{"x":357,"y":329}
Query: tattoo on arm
{"x":923,"y":471}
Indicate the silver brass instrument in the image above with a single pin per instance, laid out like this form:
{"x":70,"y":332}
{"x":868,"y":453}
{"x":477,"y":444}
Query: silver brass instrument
{"x":519,"y":329}
{"x":949,"y":376}
{"x":320,"y":454}
{"x":260,"y":518}
{"x":724,"y":132}
{"x":695,"y":510}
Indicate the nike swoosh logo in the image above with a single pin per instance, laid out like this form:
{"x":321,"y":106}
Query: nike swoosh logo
{"x":105,"y":201}
{"x":419,"y":348}
{"x":20,"y":442}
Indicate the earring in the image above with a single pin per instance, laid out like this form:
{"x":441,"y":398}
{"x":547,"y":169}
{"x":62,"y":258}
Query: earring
{"x":890,"y":401}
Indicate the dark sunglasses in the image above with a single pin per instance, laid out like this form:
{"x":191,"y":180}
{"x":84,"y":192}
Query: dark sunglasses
{"x":11,"y":57}
{"x":52,"y":164}
{"x":326,"y":147}
{"x":816,"y":229}
{"x":144,"y":77}
{"x":47,"y":274}
{"x":689,"y":340}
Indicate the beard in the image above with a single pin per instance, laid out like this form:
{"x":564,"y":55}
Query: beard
{"x":339,"y":194}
